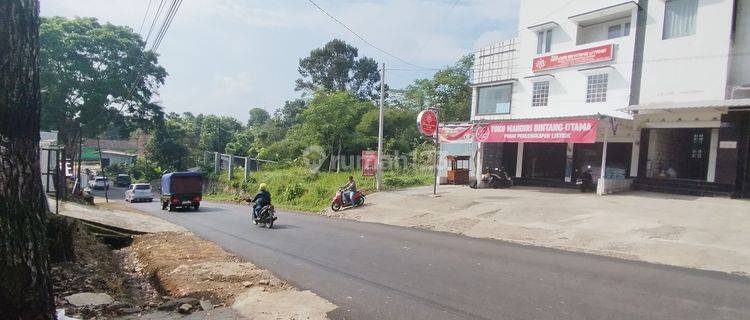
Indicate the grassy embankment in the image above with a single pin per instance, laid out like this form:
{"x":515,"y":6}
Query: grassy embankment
{"x":300,"y":189}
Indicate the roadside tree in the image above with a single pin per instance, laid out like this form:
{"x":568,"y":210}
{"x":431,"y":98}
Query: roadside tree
{"x":93,"y":76}
{"x":336,"y":67}
{"x":26,"y":290}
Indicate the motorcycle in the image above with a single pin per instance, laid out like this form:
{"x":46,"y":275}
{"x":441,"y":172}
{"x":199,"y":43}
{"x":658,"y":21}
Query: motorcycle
{"x":586,"y":181}
{"x":337,"y":203}
{"x":496,"y":178}
{"x":265,"y":217}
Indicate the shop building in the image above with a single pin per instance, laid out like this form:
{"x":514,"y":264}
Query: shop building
{"x":664,"y":86}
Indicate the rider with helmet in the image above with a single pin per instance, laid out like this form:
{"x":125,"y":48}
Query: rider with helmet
{"x":261,"y":199}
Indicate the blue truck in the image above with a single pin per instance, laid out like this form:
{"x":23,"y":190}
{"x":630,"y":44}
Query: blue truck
{"x":181,"y":190}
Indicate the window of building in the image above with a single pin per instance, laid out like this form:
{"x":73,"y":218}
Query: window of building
{"x":540,"y":94}
{"x":494,"y":100}
{"x":618,"y":30}
{"x":544,"y":41}
{"x":679,"y":18}
{"x":596,"y":89}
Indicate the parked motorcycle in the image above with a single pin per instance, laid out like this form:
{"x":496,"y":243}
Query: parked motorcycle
{"x":496,"y":178}
{"x":266,"y":217}
{"x":586,"y":181}
{"x":337,"y":203}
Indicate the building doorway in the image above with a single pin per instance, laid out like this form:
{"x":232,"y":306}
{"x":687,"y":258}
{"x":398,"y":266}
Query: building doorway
{"x":544,"y":161}
{"x":678,"y":153}
{"x":589,"y":156}
{"x":500,"y":155}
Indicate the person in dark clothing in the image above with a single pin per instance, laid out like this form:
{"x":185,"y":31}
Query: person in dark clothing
{"x":261,"y":199}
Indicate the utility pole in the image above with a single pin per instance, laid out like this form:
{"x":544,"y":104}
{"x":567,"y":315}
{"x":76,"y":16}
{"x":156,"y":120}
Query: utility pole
{"x":379,"y":173}
{"x":101,"y":167}
{"x":437,"y":152}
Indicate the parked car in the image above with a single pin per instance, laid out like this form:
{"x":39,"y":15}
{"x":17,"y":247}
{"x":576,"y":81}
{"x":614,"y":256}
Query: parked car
{"x":181,"y":190}
{"x":122,"y":180}
{"x":139,"y":192}
{"x":99,"y":183}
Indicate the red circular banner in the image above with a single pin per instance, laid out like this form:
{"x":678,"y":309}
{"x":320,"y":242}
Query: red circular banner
{"x":427,"y":122}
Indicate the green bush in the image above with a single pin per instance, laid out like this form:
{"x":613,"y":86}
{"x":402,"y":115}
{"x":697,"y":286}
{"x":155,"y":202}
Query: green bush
{"x":299,"y":189}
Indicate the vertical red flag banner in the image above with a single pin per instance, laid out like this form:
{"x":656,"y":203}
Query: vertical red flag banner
{"x":369,"y":163}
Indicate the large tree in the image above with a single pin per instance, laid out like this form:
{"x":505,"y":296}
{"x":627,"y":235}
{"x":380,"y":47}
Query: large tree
{"x":290,"y":114}
{"x":449,"y":90}
{"x":336,"y":67}
{"x":167,"y":146}
{"x":330,"y":122}
{"x":258,"y":116}
{"x":94,"y":76}
{"x":216,"y":132}
{"x":26,"y":291}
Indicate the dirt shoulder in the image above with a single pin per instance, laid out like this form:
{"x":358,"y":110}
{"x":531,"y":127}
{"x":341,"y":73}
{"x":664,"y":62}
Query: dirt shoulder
{"x":186,"y":266}
{"x":694,"y":232}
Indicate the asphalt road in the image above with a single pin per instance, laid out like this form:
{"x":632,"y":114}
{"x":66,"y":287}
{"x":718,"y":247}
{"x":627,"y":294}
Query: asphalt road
{"x":374,"y":271}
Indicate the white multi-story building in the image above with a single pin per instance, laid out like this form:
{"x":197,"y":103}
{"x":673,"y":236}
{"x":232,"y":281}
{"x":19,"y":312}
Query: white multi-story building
{"x":651,"y":91}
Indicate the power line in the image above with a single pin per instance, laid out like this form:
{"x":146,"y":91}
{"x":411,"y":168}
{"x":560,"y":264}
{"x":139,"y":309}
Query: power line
{"x":148,"y":8}
{"x":156,"y":18}
{"x":362,"y":38}
{"x":166,"y":23}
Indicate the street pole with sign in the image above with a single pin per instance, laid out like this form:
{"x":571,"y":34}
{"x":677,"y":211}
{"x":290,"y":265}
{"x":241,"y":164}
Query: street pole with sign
{"x":428,"y":124}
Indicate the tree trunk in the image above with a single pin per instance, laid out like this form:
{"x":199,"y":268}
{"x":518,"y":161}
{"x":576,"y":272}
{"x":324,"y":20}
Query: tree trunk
{"x":26,"y":291}
{"x":338,"y":158}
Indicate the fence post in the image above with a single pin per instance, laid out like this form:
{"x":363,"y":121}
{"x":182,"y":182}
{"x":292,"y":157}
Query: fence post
{"x":216,"y":162}
{"x":246,"y":169}
{"x":229,"y":172}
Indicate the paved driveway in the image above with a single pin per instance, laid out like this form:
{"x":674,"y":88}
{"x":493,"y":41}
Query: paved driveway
{"x":705,"y":233}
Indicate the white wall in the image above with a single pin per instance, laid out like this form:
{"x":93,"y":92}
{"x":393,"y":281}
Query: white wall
{"x":691,"y":68}
{"x":567,"y":96}
{"x":740,"y":60}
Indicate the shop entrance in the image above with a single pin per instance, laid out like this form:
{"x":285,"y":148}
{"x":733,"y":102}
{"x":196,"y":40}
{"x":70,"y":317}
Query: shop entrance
{"x":544,"y":161}
{"x":590,"y":154}
{"x":500,"y":155}
{"x":678,"y":153}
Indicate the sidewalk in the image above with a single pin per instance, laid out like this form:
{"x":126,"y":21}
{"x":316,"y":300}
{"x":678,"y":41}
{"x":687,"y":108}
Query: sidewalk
{"x":119,"y":216}
{"x":703,"y":233}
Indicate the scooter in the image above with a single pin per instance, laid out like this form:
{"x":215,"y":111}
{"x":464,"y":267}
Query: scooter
{"x":337,"y":203}
{"x":266,"y":217}
{"x":497,"y":178}
{"x":586,"y":181}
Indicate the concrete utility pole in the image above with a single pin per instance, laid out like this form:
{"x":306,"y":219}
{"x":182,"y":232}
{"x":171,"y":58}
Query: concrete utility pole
{"x":437,"y":152}
{"x":379,"y":172}
{"x":101,"y":167}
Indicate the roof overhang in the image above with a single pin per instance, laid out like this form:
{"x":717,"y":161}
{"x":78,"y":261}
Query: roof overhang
{"x":494,"y":83}
{"x":596,"y":70}
{"x":544,"y":26}
{"x":719,"y":105}
{"x":610,"y":13}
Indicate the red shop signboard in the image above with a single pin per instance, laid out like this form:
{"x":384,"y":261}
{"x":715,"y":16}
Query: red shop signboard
{"x":574,"y":58}
{"x":581,"y":130}
{"x":369,"y":163}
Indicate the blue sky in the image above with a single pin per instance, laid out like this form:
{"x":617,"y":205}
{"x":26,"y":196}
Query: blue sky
{"x":227,"y":56}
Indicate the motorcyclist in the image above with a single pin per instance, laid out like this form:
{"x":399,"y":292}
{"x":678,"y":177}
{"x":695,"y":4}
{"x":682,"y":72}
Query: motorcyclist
{"x":261,"y":199}
{"x":349,"y":189}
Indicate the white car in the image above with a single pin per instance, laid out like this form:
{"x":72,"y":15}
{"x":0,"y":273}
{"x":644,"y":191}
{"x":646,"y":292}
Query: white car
{"x":98,"y":183}
{"x":139,"y":192}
